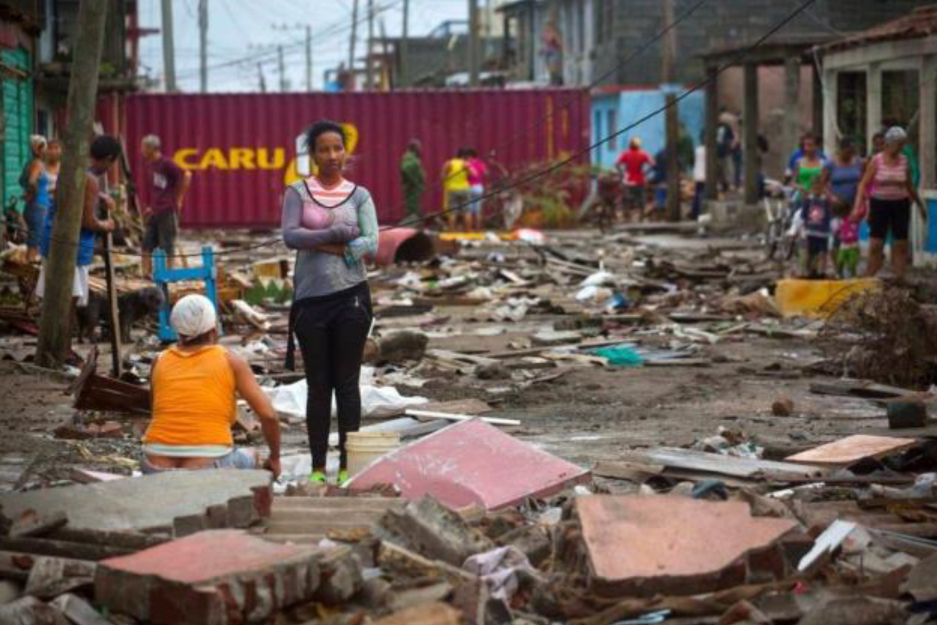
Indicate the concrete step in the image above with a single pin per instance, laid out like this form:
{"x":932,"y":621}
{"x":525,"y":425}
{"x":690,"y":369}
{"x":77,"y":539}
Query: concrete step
{"x":335,"y":504}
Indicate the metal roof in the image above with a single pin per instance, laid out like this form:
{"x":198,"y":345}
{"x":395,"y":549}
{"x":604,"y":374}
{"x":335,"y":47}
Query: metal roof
{"x":920,"y":23}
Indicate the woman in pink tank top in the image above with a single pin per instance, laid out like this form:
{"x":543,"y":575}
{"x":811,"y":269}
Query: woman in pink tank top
{"x":887,"y":184}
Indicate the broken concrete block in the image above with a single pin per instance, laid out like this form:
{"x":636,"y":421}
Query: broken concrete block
{"x":532,"y":540}
{"x":152,"y":502}
{"x":339,"y":576}
{"x":433,"y":531}
{"x":471,"y":462}
{"x":672,"y":545}
{"x":50,"y":577}
{"x":856,"y":610}
{"x":478,"y":607}
{"x":10,"y":591}
{"x":400,"y":347}
{"x":426,"y":614}
{"x":30,"y":611}
{"x":922,"y":581}
{"x":400,"y":562}
{"x":209,"y":578}
{"x":32,"y":523}
{"x":79,"y":611}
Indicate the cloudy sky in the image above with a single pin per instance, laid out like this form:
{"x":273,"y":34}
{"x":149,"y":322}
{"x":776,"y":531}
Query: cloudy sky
{"x":242,"y":33}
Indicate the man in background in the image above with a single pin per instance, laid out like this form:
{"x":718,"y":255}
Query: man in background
{"x":413,"y":181}
{"x":164,"y":192}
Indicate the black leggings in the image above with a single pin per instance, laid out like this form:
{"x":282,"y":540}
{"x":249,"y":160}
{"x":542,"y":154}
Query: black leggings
{"x":331,"y":332}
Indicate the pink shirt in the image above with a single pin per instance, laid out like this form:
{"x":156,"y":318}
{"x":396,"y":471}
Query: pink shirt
{"x":477,"y":170}
{"x":890,"y":180}
{"x":848,"y":233}
{"x":317,"y":215}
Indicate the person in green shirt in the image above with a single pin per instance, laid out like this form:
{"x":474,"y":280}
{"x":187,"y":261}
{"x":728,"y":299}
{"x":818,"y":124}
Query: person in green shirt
{"x":413,"y":181}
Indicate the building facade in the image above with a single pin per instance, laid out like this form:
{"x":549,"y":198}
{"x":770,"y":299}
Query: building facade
{"x":583,"y":42}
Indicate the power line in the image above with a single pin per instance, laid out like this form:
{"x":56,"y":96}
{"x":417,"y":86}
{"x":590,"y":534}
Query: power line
{"x":546,"y":170}
{"x":298,"y":45}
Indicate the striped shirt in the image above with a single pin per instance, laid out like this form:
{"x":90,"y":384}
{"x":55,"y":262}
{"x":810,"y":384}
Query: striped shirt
{"x":317,"y":214}
{"x":890,"y":181}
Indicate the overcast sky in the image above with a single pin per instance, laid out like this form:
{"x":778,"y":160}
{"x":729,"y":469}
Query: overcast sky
{"x":250,"y":30}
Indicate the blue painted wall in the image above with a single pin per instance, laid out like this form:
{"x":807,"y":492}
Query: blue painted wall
{"x":611,"y":112}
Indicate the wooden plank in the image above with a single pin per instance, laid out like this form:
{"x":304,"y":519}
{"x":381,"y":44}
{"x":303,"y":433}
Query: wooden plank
{"x":631,"y":471}
{"x":449,"y":416}
{"x":852,"y":449}
{"x":722,"y":465}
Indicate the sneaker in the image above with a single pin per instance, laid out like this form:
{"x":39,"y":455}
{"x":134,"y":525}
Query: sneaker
{"x":317,"y":477}
{"x":342,"y":476}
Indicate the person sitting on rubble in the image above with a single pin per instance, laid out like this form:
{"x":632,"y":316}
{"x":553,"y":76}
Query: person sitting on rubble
{"x":194,"y":387}
{"x":332,"y":223}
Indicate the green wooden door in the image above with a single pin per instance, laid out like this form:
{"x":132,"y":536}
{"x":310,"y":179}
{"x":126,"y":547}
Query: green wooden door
{"x":16,"y":97}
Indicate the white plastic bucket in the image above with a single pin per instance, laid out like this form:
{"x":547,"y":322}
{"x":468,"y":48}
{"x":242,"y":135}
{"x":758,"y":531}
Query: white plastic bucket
{"x":365,"y":447}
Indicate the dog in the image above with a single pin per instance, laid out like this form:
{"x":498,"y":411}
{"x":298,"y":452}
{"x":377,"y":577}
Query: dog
{"x":132,"y":308}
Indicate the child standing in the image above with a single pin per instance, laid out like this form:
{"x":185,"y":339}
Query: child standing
{"x":818,"y":226}
{"x":846,"y":258}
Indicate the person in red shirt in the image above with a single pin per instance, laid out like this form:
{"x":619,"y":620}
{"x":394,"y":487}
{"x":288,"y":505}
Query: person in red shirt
{"x":632,"y":164}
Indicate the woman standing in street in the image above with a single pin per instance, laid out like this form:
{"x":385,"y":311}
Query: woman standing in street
{"x":332,"y":223}
{"x":892,"y":190}
{"x":35,"y":183}
{"x":809,"y":166}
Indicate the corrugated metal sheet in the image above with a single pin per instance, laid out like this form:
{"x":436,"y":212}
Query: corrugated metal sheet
{"x":242,"y":147}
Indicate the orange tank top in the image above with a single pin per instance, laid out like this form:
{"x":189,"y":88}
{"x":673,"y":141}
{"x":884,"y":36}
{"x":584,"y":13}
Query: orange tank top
{"x":194,"y":398}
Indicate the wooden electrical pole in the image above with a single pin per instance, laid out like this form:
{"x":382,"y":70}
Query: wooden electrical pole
{"x":169,"y":50}
{"x":673,"y":124}
{"x":203,"y":45}
{"x":282,"y":68}
{"x":263,"y":81}
{"x":354,"y":37}
{"x":368,"y":59}
{"x":308,"y":58}
{"x":473,"y":44}
{"x":405,"y":45}
{"x":55,"y":327}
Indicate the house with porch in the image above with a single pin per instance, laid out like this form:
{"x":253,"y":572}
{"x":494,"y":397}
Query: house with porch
{"x":888,"y":75}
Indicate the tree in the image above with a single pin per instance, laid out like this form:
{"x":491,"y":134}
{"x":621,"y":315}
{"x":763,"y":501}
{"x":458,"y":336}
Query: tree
{"x":55,"y":326}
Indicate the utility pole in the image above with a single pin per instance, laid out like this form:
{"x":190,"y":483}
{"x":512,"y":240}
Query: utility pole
{"x":405,"y":44}
{"x":282,"y":67}
{"x":672,"y":120}
{"x":263,"y":81}
{"x":354,"y":37}
{"x":369,"y":81}
{"x":308,"y":57}
{"x":169,"y":49}
{"x":473,"y":44}
{"x":55,"y":327}
{"x":203,"y":44}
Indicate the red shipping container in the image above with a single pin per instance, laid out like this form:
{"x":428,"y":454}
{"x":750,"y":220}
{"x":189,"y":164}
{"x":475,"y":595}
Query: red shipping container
{"x":241,"y":148}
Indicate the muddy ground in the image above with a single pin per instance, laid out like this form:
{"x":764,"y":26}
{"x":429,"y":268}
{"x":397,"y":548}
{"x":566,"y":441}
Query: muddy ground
{"x":586,"y":415}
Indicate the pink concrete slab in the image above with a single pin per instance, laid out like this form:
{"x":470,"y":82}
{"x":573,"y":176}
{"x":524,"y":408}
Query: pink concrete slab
{"x":851,"y":449}
{"x":205,"y":556}
{"x":650,"y":544}
{"x":469,"y":463}
{"x":209,"y":578}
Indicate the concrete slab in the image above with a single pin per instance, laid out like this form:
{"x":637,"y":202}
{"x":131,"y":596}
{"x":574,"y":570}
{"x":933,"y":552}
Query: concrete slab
{"x":209,"y":578}
{"x":154,"y":502}
{"x":471,"y":463}
{"x":645,"y":545}
{"x":307,"y":520}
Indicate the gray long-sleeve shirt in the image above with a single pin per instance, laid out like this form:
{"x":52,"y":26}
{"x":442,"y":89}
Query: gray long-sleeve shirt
{"x":355,"y":224}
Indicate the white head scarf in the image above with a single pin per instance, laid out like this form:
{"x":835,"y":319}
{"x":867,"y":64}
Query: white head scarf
{"x":895,"y":134}
{"x":193,"y":315}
